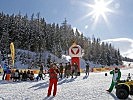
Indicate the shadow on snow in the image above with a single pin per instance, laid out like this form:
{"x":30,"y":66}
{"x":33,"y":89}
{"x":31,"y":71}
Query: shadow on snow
{"x":85,"y":77}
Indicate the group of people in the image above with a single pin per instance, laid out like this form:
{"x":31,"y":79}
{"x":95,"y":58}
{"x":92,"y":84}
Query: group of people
{"x":71,"y":69}
{"x":68,"y":69}
{"x":20,"y":75}
{"x":54,"y":71}
{"x":17,"y":75}
{"x":65,"y":70}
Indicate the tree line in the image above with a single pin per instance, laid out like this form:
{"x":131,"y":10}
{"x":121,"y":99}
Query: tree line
{"x":35,"y":34}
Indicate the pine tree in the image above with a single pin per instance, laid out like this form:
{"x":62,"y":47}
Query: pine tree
{"x":36,"y":35}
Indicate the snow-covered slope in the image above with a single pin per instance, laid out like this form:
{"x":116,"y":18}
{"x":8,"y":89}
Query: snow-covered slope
{"x":24,"y":58}
{"x":80,"y":88}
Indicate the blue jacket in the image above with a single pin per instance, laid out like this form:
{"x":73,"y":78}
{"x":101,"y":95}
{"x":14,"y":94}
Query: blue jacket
{"x":5,"y":67}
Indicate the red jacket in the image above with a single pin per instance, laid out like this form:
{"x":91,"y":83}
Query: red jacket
{"x":53,"y":73}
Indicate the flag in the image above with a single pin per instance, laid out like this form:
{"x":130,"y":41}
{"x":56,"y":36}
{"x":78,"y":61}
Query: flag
{"x":12,"y":52}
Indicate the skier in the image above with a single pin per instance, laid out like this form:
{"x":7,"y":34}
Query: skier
{"x":87,"y":68}
{"x":116,"y":77}
{"x":53,"y":72}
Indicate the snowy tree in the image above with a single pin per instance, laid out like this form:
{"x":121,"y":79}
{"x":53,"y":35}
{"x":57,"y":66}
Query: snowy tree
{"x":34,"y":34}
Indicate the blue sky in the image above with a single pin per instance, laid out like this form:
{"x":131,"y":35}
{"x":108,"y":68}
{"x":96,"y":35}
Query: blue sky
{"x":120,"y":22}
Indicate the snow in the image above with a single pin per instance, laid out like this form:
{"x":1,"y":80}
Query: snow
{"x":80,"y":88}
{"x":22,"y":60}
{"x":125,"y":63}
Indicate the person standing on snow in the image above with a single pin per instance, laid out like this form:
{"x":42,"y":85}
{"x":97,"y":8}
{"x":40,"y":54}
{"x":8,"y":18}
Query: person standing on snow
{"x":41,"y":67}
{"x":87,"y":69}
{"x":73,"y":69}
{"x":4,"y":70}
{"x":40,"y":75}
{"x":68,"y":71}
{"x":53,"y":74}
{"x":76,"y":69}
{"x":61,"y":70}
{"x":116,"y":77}
{"x":65,"y":71}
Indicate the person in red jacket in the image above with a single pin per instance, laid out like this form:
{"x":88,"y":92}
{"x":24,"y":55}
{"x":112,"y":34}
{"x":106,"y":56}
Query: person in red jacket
{"x":53,"y":73}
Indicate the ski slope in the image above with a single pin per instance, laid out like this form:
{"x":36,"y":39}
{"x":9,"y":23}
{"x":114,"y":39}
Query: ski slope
{"x":81,"y":88}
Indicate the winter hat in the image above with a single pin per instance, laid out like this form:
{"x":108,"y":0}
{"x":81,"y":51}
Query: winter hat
{"x":116,"y":68}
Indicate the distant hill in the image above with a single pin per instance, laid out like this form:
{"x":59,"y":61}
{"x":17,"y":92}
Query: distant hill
{"x":125,"y":46}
